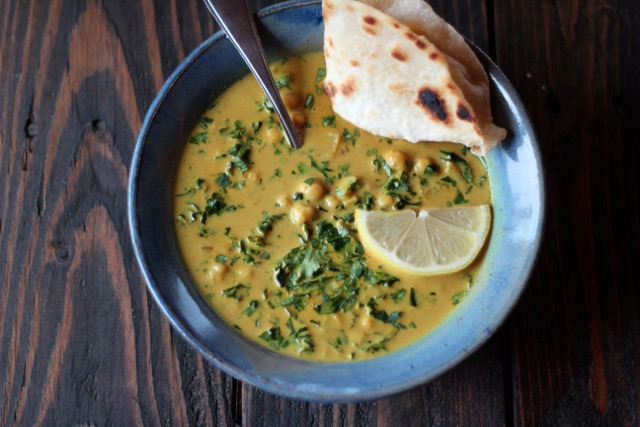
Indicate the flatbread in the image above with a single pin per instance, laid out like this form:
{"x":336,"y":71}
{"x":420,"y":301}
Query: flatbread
{"x":393,"y":81}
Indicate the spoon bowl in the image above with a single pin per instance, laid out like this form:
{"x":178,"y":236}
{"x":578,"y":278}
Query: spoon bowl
{"x":238,"y":24}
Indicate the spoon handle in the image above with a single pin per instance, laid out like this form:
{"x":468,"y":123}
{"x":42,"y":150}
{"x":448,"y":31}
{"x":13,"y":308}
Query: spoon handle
{"x":236,"y":21}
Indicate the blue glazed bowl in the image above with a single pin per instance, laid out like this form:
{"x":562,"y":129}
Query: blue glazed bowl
{"x":518,"y":195}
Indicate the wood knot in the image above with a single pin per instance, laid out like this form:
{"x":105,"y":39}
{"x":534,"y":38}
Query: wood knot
{"x":31,"y":129}
{"x":98,"y":125}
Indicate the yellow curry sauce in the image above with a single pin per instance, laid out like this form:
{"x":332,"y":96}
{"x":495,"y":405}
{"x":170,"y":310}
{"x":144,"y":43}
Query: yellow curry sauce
{"x":268,"y":233}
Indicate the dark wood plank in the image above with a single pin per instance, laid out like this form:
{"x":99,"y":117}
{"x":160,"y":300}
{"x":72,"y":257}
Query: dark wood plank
{"x":470,"y":394}
{"x":577,"y":330}
{"x":81,"y":343}
{"x":469,"y":17}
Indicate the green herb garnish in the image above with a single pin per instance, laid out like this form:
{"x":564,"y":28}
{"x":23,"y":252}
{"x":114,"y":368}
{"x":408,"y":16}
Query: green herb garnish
{"x":199,"y":138}
{"x":237,"y":292}
{"x":283,"y":82}
{"x":329,"y":121}
{"x":322,"y":72}
{"x":308,"y":101}
{"x":460,"y":163}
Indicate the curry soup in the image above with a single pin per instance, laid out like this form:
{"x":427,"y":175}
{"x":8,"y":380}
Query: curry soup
{"x":267,"y":232}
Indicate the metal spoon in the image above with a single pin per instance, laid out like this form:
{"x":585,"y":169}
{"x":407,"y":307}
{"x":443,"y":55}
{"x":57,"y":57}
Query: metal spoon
{"x":237,"y":22}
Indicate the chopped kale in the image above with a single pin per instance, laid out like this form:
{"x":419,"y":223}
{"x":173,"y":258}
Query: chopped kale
{"x":267,"y":223}
{"x":205,"y":122}
{"x":199,"y":138}
{"x":322,"y":72}
{"x":461,"y":164}
{"x":223,"y":182}
{"x":214,"y":205}
{"x":329,"y":121}
{"x":221,"y":258}
{"x":237,"y":292}
{"x":191,"y":190}
{"x":240,"y":153}
{"x":283,"y":82}
{"x":308,"y":101}
{"x":398,"y":295}
{"x":298,"y":336}
{"x":383,"y":316}
{"x":251,"y":308}
{"x":366,"y":201}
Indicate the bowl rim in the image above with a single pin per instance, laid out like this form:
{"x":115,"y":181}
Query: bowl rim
{"x":497,"y":79}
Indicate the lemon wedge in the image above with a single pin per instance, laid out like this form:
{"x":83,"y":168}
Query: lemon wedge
{"x":435,"y":241}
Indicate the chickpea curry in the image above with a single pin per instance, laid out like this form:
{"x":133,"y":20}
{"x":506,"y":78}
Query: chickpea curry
{"x":268,"y":235}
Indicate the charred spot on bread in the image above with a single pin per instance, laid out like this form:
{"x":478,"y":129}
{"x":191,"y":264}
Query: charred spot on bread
{"x":399,"y":54}
{"x":411,"y":36}
{"x":433,"y":103}
{"x":434,"y":56}
{"x":368,"y":24}
{"x":370,"y":20}
{"x":420,"y":44}
{"x":330,"y":89}
{"x":348,"y":87}
{"x":463,"y":113}
{"x":370,"y":30}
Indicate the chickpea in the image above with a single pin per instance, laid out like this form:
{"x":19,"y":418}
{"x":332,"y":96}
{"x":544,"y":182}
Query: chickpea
{"x":218,"y":272}
{"x":366,"y":323}
{"x":332,"y":138}
{"x":292,"y":100}
{"x":422,"y":163}
{"x":273,"y":135}
{"x":385,"y":201}
{"x":346,"y":187}
{"x":397,"y":160}
{"x":245,"y":273}
{"x":341,"y":319}
{"x":449,"y":168}
{"x":253,"y":177}
{"x":350,"y":202}
{"x":302,"y":213}
{"x":298,"y":118}
{"x":314,"y":191}
{"x":283,"y":201}
{"x":331,"y":201}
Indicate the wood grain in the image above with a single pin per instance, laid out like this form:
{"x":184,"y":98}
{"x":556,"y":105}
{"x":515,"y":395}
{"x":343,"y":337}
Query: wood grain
{"x":577,"y":331}
{"x":81,"y":342}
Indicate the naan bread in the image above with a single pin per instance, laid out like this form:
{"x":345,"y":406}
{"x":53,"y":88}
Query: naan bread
{"x":391,"y":80}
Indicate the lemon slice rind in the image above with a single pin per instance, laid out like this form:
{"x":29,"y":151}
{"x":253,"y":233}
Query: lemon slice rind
{"x":433,"y":242}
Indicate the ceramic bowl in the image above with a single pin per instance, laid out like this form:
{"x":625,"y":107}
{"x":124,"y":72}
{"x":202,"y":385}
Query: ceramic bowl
{"x":518,"y":195}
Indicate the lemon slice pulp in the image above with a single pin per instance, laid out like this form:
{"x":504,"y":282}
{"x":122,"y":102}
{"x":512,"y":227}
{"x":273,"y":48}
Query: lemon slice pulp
{"x":435,"y":241}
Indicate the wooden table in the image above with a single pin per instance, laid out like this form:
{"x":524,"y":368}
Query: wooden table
{"x":81,"y":341}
